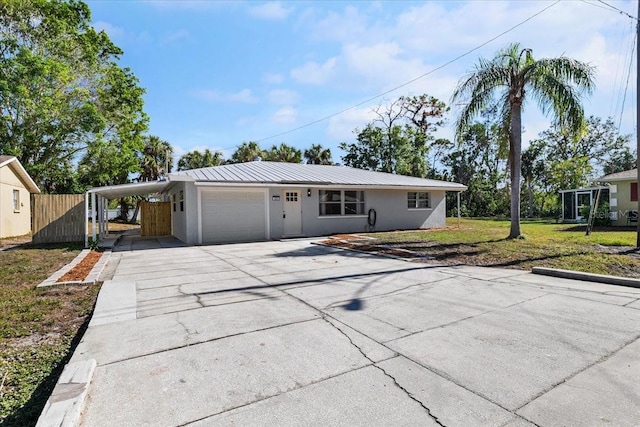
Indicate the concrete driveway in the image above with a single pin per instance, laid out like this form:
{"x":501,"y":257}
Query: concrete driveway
{"x":292,"y":333}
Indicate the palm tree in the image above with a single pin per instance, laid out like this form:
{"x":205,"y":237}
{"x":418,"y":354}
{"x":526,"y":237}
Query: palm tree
{"x":247,"y":152}
{"x":514,"y":76}
{"x":196,"y":160}
{"x":284,"y":153}
{"x":156,"y":160}
{"x":316,"y":155}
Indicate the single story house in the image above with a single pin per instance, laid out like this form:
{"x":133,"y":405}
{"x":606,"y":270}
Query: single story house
{"x":16,"y":187}
{"x":619,"y":190}
{"x":270,"y":200}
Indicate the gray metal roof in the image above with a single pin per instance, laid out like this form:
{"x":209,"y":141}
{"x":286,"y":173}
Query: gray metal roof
{"x":630,"y":175}
{"x":296,"y":173}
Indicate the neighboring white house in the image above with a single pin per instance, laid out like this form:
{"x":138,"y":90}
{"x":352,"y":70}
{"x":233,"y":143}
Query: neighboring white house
{"x":16,"y":187}
{"x":267,"y":200}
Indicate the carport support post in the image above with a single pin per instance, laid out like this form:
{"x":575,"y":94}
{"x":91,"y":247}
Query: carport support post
{"x":93,"y":216}
{"x":86,"y":216}
{"x":458,"y":209}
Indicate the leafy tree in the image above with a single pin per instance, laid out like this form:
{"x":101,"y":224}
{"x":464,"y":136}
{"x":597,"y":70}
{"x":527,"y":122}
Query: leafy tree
{"x":283,"y":153}
{"x":196,"y":160}
{"x":476,"y":164}
{"x":156,"y":159}
{"x":533,"y":169}
{"x":317,"y":155}
{"x":399,"y":140}
{"x":247,"y":152}
{"x":514,"y":75}
{"x":620,"y":161}
{"x":62,"y":92}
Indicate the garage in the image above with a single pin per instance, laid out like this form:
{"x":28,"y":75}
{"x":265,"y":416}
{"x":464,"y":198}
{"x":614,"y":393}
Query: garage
{"x":233,"y":216}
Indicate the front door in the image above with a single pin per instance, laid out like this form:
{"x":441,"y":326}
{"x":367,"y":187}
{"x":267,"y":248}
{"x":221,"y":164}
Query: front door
{"x":292,"y":212}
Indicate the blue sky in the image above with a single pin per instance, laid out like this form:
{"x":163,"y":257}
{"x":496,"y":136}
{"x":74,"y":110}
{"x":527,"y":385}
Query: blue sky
{"x":218,"y":73}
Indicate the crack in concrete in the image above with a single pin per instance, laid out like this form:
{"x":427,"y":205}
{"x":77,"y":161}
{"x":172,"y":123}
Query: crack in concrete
{"x":564,"y":380}
{"x":453,"y":322}
{"x":395,"y":382}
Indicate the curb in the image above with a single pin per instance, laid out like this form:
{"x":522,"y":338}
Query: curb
{"x":590,"y":277}
{"x":91,"y":278}
{"x":64,"y":406}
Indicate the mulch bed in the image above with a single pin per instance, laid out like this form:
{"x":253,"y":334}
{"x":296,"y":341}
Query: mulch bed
{"x":82,"y":269}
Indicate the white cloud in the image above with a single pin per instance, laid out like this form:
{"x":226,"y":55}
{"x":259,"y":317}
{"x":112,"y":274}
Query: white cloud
{"x":112,"y":31}
{"x":341,"y":127}
{"x":118,"y":34}
{"x":283,"y":97}
{"x":271,"y":10}
{"x":285,"y":115}
{"x":244,"y":96}
{"x":176,"y":36}
{"x":273,"y":78}
{"x":314,"y":73}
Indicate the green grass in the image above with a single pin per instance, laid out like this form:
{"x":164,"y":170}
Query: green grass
{"x":38,"y":328}
{"x":483,"y":242}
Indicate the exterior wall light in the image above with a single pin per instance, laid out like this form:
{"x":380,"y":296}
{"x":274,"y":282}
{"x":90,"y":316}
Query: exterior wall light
{"x":308,"y":192}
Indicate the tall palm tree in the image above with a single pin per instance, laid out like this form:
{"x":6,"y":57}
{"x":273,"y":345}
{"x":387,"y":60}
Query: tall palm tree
{"x":247,"y":152}
{"x":156,"y":160}
{"x":316,"y":155}
{"x":284,"y":153}
{"x":514,"y":76}
{"x":196,"y":160}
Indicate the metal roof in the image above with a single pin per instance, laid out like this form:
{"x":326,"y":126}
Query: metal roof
{"x":135,"y":189}
{"x":630,"y":175}
{"x":260,"y":172}
{"x":17,"y":167}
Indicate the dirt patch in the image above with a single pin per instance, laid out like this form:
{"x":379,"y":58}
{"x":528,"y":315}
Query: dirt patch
{"x":80,"y":272}
{"x":367,"y":244}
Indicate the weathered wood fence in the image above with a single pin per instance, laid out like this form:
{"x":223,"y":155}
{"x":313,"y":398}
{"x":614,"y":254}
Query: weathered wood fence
{"x":57,"y":218}
{"x":155,"y":218}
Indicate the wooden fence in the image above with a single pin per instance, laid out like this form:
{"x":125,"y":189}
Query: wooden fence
{"x":57,"y":218}
{"x":155,"y":218}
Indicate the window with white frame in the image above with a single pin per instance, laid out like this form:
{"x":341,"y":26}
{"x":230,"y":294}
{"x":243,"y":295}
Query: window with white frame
{"x":418,"y":200}
{"x":16,"y":200}
{"x":341,"y":202}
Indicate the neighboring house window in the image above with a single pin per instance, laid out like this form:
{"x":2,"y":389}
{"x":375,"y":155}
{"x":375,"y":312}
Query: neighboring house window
{"x":181,"y":201}
{"x":16,"y":200}
{"x":340,"y":202}
{"x":634,"y":191}
{"x":418,"y":200}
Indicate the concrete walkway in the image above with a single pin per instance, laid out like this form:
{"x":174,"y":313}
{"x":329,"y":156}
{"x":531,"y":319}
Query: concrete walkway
{"x":292,"y":333}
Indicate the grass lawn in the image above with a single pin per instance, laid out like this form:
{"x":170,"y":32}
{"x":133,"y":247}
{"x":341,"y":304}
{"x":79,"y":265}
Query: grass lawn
{"x":483,"y":242}
{"x":38,"y":327}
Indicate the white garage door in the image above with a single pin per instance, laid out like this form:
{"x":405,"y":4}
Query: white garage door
{"x":233,"y":216}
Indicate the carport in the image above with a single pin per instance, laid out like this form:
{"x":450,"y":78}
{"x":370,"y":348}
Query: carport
{"x":97,"y":199}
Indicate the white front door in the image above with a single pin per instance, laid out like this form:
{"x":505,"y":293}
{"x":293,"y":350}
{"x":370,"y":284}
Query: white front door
{"x":292,"y":212}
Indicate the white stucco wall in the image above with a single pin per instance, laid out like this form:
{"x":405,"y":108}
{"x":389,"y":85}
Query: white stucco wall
{"x":390,"y":206}
{"x":13,"y":223}
{"x":184,"y":223}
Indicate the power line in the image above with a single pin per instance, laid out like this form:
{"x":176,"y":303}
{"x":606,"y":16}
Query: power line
{"x":408,"y":82}
{"x":617,"y":10}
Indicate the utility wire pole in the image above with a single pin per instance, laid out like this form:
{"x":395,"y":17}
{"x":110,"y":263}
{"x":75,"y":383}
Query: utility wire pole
{"x":638,"y":118}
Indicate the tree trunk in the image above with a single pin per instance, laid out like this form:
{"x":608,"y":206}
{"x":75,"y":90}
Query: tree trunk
{"x":515,"y":135}
{"x":530,"y":188}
